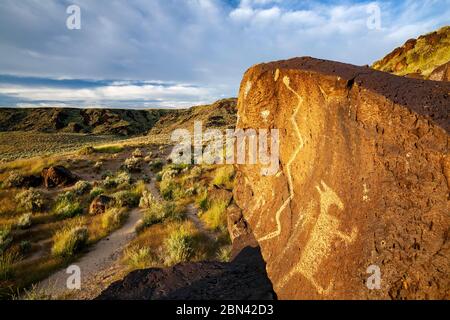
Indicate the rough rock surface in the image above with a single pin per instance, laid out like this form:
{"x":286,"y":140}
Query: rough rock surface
{"x":58,"y":176}
{"x":441,"y":73}
{"x":364,"y":180}
{"x":100,"y":204}
{"x":243,"y":278}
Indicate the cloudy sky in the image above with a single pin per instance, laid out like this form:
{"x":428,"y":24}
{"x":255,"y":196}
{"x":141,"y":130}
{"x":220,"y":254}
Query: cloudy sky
{"x":177,"y":53}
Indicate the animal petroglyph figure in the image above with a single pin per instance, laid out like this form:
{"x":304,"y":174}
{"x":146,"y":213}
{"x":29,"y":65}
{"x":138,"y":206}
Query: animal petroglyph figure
{"x":323,"y":234}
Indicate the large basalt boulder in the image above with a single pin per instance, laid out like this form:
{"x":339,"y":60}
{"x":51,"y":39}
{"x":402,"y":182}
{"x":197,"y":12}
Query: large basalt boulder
{"x":363,"y":184}
{"x":58,"y":176}
{"x":243,"y":278}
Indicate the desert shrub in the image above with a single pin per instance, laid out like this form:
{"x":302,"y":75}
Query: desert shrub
{"x":5,"y":238}
{"x":154,"y":214}
{"x":24,"y":221}
{"x":14,"y":180}
{"x":69,"y":240}
{"x":96,"y":191}
{"x":67,"y":205}
{"x":156,"y":165}
{"x":224,"y":254}
{"x":159,"y":212}
{"x":132,"y":164}
{"x":224,"y":177}
{"x":113,"y":219}
{"x":7,"y":260}
{"x":167,"y":188}
{"x":140,"y":257}
{"x":126,"y":198}
{"x":158,"y":177}
{"x":30,"y":200}
{"x":215,"y":217}
{"x":123,"y":178}
{"x":146,"y":200}
{"x":82,"y":187}
{"x":138,"y":153}
{"x":107,"y":174}
{"x":179,"y":246}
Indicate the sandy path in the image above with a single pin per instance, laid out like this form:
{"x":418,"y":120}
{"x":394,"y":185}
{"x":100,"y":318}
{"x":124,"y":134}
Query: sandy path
{"x":102,"y":256}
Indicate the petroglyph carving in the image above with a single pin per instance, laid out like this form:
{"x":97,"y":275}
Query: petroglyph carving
{"x":277,"y":232}
{"x":323,"y":234}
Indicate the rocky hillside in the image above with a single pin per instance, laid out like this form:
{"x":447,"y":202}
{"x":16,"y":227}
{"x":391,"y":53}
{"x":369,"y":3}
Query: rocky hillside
{"x":97,"y":121}
{"x":363,"y":183}
{"x":116,"y":121}
{"x":221,"y":114}
{"x":427,"y":57}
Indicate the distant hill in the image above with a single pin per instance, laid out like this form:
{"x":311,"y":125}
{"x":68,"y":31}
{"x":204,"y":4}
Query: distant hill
{"x":115,"y":121}
{"x":427,"y":57}
{"x":221,"y":114}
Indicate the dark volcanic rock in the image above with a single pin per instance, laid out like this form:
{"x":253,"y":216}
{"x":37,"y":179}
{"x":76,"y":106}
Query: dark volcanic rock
{"x":100,"y":204}
{"x":58,"y":176}
{"x":243,"y":278}
{"x":363,"y":183}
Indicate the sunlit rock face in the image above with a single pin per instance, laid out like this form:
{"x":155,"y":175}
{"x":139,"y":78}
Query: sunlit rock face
{"x":360,"y":205}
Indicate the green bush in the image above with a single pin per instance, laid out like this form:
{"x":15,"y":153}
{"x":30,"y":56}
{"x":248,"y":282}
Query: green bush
{"x":179,"y":246}
{"x":30,"y":200}
{"x":139,"y":258}
{"x":67,"y":206}
{"x":69,"y":240}
{"x":156,"y":165}
{"x":96,"y":191}
{"x":113,"y":219}
{"x":126,"y":198}
{"x":215,"y":217}
{"x":81,"y":187}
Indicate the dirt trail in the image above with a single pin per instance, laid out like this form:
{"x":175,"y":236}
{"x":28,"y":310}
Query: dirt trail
{"x":99,"y":266}
{"x":101,"y":257}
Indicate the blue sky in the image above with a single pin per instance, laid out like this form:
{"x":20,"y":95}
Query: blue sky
{"x":174,"y":53}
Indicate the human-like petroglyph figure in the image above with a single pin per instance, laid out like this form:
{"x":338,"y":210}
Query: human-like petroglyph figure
{"x":323,"y":234}
{"x":285,"y":204}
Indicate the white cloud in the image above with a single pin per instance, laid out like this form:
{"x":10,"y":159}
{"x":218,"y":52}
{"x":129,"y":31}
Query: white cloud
{"x":202,"y":42}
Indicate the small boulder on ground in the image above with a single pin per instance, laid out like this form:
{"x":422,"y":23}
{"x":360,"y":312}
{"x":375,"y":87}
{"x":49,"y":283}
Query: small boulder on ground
{"x":100,"y":204}
{"x":58,"y":176}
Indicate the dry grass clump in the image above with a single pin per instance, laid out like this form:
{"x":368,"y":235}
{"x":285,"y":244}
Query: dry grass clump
{"x":224,"y":177}
{"x":113,"y":219}
{"x":69,"y":241}
{"x":24,"y":221}
{"x":179,"y":246}
{"x":7,"y":260}
{"x":137,"y":257}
